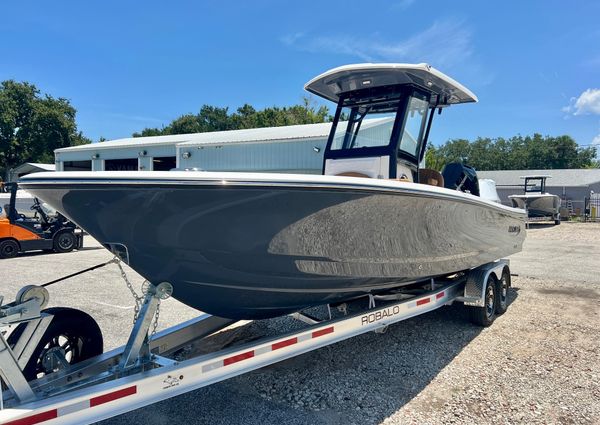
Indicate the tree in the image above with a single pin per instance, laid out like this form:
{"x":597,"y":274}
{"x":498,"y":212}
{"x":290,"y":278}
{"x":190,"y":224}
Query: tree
{"x":433,"y":158}
{"x":185,"y":124}
{"x":147,"y":132}
{"x":33,"y":126}
{"x":516,"y":153}
{"x":213,"y":118}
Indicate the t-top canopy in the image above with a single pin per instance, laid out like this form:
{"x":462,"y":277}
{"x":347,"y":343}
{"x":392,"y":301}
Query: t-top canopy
{"x":333,"y":83}
{"x":536,"y":176}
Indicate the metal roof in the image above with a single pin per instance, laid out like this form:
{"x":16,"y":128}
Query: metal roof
{"x":560,"y":178}
{"x":302,"y":131}
{"x":33,"y":166}
{"x":333,"y":83}
{"x":265,"y":134}
{"x":290,"y":132}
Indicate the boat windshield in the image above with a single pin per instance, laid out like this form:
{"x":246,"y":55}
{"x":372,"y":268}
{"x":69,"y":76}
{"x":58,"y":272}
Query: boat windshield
{"x":414,"y":126}
{"x":363,"y":126}
{"x":536,"y":185}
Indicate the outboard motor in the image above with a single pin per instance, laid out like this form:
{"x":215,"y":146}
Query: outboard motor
{"x":461,"y":177}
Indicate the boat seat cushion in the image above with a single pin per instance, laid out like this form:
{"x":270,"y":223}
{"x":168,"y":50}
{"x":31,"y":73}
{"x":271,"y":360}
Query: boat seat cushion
{"x":356,"y":174}
{"x":431,"y":177}
{"x":353,"y":174}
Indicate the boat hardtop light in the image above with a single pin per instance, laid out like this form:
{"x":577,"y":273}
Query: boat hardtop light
{"x":348,"y":78}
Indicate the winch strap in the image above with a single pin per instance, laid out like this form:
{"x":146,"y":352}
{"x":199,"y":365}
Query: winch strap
{"x":89,"y":269}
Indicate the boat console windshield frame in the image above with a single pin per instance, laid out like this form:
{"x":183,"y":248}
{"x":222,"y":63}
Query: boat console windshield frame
{"x":407,"y":95}
{"x":535,"y":184}
{"x":401,"y":112}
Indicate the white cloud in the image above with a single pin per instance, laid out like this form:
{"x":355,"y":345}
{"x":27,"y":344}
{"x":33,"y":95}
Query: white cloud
{"x":444,"y":43}
{"x":290,"y":39}
{"x":587,"y":103}
{"x":596,"y":140}
{"x":403,"y":4}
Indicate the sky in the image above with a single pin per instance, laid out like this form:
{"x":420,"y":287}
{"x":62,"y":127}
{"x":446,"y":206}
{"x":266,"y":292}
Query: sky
{"x":535,"y":65}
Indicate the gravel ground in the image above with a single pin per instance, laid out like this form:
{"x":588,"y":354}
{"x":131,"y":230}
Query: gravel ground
{"x":538,"y":363}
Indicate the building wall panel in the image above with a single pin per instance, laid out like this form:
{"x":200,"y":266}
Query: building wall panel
{"x":303,"y":156}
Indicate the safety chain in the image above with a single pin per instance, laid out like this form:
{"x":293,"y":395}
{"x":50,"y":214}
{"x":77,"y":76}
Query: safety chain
{"x":156,"y":315}
{"x":138,"y":298}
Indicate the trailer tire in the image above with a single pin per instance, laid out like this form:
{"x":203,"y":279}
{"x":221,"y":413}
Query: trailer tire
{"x":9,"y":248}
{"x":484,"y":316}
{"x":502,"y":292}
{"x":64,"y":241}
{"x":74,"y":333}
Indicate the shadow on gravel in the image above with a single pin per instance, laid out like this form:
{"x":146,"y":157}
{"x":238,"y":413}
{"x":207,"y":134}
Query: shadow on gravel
{"x":38,"y":253}
{"x":533,"y":226}
{"x":362,"y":380}
{"x":91,"y":248}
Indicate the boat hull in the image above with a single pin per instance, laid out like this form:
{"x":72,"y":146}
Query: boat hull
{"x":248,"y":247}
{"x":538,"y":206}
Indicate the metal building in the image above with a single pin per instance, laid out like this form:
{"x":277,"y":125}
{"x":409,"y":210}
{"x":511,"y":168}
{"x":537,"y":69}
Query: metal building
{"x":289,"y":149}
{"x":28,"y":168}
{"x":297,"y":148}
{"x":573,"y":186}
{"x":143,"y":153}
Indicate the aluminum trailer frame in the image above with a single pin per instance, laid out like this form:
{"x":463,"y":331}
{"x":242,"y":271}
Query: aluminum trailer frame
{"x":141,"y":373}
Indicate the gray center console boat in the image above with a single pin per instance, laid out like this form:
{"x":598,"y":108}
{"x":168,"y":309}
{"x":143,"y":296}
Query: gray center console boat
{"x":252,"y":245}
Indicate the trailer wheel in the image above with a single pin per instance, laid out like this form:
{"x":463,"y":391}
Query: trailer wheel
{"x":71,"y":337}
{"x":484,"y":316}
{"x":64,"y":241}
{"x":9,"y":248}
{"x":502,"y":292}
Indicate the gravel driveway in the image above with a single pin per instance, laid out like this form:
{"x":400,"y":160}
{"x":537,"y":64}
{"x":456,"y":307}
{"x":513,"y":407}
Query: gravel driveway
{"x":538,"y":363}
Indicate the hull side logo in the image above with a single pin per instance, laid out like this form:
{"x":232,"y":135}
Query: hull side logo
{"x":514,"y":229}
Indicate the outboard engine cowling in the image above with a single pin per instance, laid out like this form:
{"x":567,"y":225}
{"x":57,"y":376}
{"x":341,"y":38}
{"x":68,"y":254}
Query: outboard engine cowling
{"x":461,"y":177}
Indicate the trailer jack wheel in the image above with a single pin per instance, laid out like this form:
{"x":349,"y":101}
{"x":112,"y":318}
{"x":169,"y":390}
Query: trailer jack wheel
{"x":484,"y":316}
{"x":71,"y":337}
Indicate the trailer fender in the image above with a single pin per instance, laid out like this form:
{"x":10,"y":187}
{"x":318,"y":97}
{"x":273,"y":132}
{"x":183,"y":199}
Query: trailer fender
{"x":475,"y":286}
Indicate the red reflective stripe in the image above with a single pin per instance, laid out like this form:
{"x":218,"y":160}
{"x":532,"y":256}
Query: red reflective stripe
{"x":105,"y":398}
{"x":423,"y":301}
{"x":35,"y":419}
{"x":285,"y":343}
{"x":440,"y":295}
{"x":238,"y":358}
{"x":322,"y":332}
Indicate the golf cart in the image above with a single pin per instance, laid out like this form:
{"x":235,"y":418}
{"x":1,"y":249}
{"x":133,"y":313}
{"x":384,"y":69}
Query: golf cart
{"x":40,"y":228}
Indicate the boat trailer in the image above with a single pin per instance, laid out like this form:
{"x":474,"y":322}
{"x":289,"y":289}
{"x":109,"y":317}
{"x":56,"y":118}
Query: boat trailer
{"x":151,"y":366}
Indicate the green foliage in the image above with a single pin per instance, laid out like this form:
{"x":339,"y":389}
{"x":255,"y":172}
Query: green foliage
{"x":32,"y":126}
{"x":516,"y":153}
{"x":212,"y":118}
